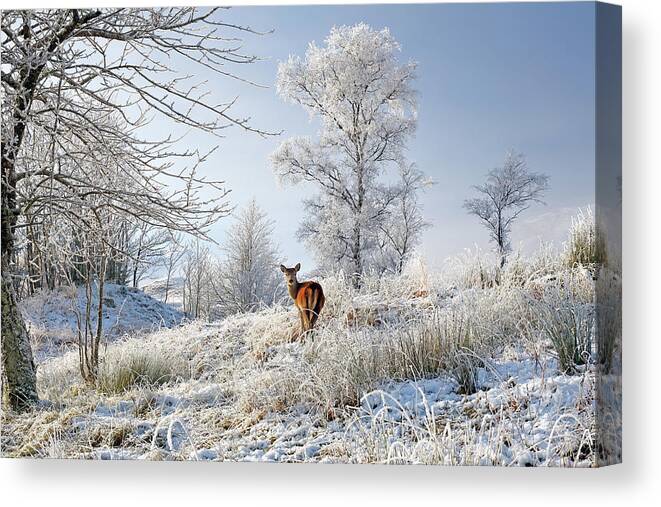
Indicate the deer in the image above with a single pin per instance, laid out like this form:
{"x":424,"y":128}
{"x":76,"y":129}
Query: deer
{"x":308,"y":297}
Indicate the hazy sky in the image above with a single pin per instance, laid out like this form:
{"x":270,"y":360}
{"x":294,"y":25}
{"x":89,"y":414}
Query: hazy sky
{"x":490,"y":77}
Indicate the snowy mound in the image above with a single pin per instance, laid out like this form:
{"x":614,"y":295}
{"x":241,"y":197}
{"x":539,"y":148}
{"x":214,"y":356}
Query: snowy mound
{"x":52,"y":319}
{"x":160,"y":287}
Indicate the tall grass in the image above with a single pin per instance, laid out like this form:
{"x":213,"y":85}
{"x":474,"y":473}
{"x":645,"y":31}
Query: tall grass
{"x":608,"y":310}
{"x":569,"y":326}
{"x":586,"y":245}
{"x":125,"y":369}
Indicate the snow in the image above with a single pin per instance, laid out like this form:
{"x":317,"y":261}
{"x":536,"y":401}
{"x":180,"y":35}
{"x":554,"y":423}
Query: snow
{"x":245,"y":391}
{"x":545,"y":401}
{"x":513,"y":399}
{"x":52,"y":321}
{"x":156,"y":289}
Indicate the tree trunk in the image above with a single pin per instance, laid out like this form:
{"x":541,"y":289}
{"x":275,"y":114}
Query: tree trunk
{"x":501,"y":241}
{"x":167,"y":285}
{"x":357,"y":233}
{"x":357,"y":258}
{"x":19,"y":379}
{"x":135,"y":272}
{"x":99,"y":317}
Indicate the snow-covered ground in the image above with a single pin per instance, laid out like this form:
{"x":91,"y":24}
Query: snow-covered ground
{"x":52,"y":322}
{"x":247,"y":389}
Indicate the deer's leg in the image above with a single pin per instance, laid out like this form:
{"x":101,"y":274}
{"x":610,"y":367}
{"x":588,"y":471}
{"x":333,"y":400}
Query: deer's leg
{"x":317,"y":309}
{"x":306,"y":317}
{"x":304,"y":320}
{"x":300,"y":316}
{"x":313,"y":318}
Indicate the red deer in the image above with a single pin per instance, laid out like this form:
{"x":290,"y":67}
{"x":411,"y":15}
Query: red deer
{"x":308,"y":297}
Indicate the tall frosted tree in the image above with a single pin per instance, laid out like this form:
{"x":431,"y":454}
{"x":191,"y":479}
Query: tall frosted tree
{"x":507,"y":192}
{"x":361,"y":93}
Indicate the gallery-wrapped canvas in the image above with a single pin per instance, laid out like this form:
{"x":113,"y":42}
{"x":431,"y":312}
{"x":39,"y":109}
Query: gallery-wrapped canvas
{"x":332,"y":234}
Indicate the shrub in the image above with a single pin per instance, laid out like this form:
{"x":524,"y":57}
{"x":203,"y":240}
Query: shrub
{"x":447,"y":343}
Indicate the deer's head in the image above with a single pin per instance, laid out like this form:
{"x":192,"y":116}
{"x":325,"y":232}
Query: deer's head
{"x":290,"y":273}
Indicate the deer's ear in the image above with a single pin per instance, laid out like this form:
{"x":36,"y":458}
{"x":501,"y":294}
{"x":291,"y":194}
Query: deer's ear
{"x":283,"y":268}
{"x":297,"y":267}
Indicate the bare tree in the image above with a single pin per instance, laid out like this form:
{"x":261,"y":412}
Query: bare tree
{"x":248,"y":276}
{"x":146,"y":250}
{"x":78,"y":85}
{"x":508,"y":192}
{"x":92,"y":254}
{"x":363,"y":97}
{"x":197,"y":272}
{"x":174,"y":254}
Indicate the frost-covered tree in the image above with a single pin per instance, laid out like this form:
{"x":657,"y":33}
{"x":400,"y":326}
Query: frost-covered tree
{"x":404,"y":224}
{"x":78,"y":88}
{"x":247,"y":277}
{"x":362,"y":95}
{"x":508,"y":191}
{"x":89,"y":259}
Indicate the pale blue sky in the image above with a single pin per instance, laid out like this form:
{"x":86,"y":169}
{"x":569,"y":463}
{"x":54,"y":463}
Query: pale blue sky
{"x":490,"y":77}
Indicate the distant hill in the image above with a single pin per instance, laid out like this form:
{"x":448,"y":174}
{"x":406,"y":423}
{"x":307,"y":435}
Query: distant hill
{"x":156,"y":289}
